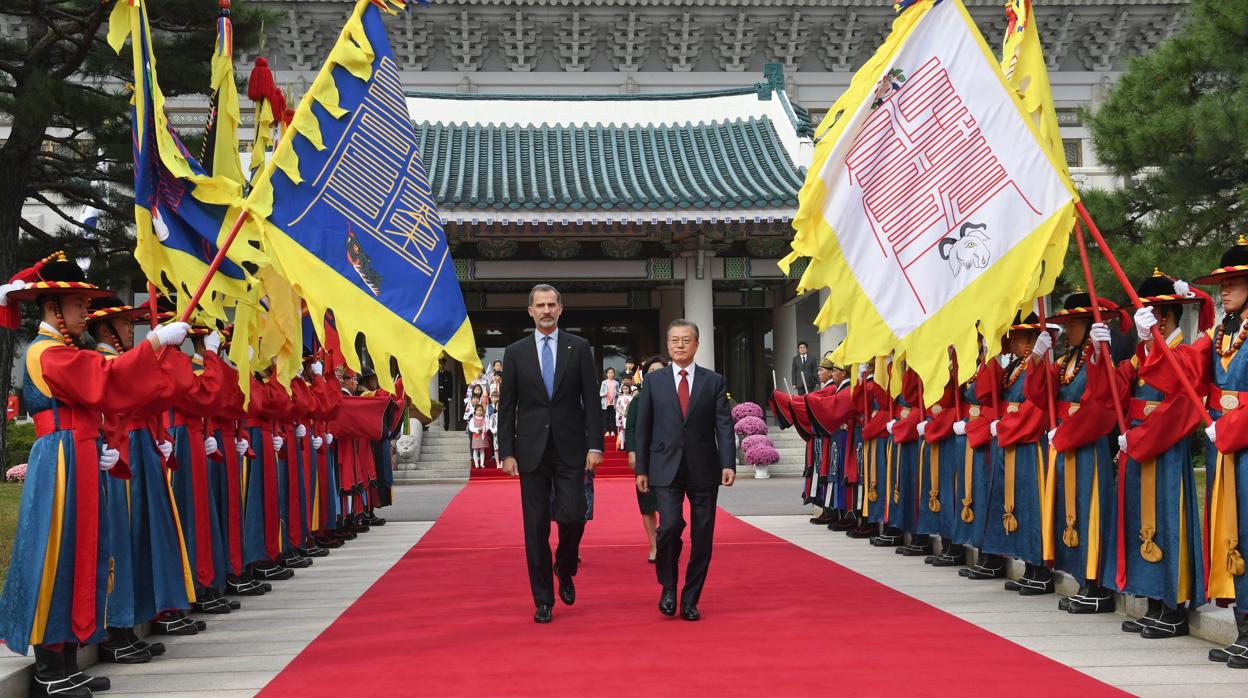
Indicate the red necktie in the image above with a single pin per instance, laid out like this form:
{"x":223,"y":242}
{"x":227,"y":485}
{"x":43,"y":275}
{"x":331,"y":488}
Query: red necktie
{"x":682,"y":393}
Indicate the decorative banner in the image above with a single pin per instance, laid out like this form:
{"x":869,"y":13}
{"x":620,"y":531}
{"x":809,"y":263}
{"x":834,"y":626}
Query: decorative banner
{"x":348,"y":218}
{"x":931,"y":205}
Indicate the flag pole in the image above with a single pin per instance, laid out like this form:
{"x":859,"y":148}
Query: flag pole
{"x":213,"y":267}
{"x":153,"y":313}
{"x":1120,"y":552}
{"x":1188,"y":389}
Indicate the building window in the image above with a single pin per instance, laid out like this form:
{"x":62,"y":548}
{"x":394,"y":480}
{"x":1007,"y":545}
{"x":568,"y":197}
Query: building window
{"x":1074,"y":151}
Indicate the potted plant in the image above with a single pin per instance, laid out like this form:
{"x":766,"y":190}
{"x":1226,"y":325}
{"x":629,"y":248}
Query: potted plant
{"x":760,"y":453}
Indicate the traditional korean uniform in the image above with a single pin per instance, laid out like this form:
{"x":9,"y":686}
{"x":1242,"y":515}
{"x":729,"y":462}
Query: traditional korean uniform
{"x":940,"y":467}
{"x":1013,"y":527}
{"x":831,"y":409}
{"x":226,"y":481}
{"x":876,"y":455}
{"x":903,"y":504}
{"x":262,"y":538}
{"x":1080,"y":502}
{"x":1159,"y":555}
{"x":55,"y":592}
{"x":326,"y":503}
{"x":981,"y":397}
{"x":1217,"y":362}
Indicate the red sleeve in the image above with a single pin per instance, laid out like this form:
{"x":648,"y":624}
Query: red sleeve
{"x":1028,"y":422}
{"x":940,"y":421}
{"x":874,"y":427}
{"x":86,"y":379}
{"x":301,"y":401}
{"x":1099,"y":377}
{"x":1195,"y":360}
{"x":1092,"y":421}
{"x":988,"y":383}
{"x":1035,"y":386}
{"x":1171,"y":422}
{"x":196,"y":394}
{"x":361,"y":417}
{"x":831,"y":409}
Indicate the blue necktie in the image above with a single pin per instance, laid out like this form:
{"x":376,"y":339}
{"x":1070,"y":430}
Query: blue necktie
{"x":548,"y":367}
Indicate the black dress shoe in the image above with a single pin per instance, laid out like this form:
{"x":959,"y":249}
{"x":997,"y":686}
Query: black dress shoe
{"x":1035,"y":587}
{"x":543,"y":613}
{"x":949,"y":561}
{"x":97,"y":684}
{"x":567,"y":590}
{"x":274,"y":572}
{"x":1091,"y":603}
{"x":978,"y":572}
{"x":667,"y":602}
{"x":153,"y":648}
{"x":690,"y":613}
{"x":124,"y":654}
{"x":1012,"y":585}
{"x":886,"y":541}
{"x":862,"y":531}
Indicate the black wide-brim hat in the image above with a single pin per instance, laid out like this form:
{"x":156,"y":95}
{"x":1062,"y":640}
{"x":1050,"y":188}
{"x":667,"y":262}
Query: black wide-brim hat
{"x":1234,"y":263}
{"x":111,"y":306}
{"x":1031,"y":323}
{"x":58,"y":277}
{"x":1158,"y":289}
{"x":1078,"y":306}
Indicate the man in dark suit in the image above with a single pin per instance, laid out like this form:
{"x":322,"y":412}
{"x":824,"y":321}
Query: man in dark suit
{"x":685,"y":448}
{"x":445,"y":381}
{"x":803,"y":370}
{"x":550,"y":431}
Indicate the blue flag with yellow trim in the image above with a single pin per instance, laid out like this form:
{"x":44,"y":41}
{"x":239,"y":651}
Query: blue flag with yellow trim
{"x":347,"y":216}
{"x":181,"y":211}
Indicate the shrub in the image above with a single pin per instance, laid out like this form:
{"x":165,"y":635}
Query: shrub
{"x":17,"y":442}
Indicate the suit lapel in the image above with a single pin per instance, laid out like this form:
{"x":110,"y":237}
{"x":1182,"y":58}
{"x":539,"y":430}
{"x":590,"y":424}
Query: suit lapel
{"x":562,"y":352}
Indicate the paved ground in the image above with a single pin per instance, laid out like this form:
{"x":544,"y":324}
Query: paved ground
{"x":240,"y":653}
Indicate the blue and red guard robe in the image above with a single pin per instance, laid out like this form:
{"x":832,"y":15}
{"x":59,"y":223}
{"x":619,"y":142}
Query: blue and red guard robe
{"x":941,"y":464}
{"x":1161,"y":553}
{"x":832,"y":417}
{"x":1079,"y":508}
{"x":226,"y":468}
{"x":325,"y":501}
{"x":979,"y":397}
{"x":1013,"y":526}
{"x":57,"y":583}
{"x":196,"y":400}
{"x":903,"y":481}
{"x":262,"y":528}
{"x":876,"y":447}
{"x":1225,"y":380}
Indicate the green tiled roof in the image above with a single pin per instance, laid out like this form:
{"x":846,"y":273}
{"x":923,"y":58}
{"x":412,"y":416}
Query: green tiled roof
{"x":726,"y":164}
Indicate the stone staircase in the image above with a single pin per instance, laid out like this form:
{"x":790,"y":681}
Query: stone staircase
{"x":792,"y":452}
{"x":443,"y":457}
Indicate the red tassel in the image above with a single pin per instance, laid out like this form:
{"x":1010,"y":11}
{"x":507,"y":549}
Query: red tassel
{"x":261,"y":84}
{"x":1204,"y":319}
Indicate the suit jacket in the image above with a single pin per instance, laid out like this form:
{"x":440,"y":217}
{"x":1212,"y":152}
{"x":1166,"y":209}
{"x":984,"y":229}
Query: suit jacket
{"x":703,"y":438}
{"x":807,"y":369}
{"x":527,"y":418}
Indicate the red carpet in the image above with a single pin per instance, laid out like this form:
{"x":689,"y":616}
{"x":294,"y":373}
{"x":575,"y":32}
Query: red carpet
{"x":614,"y":465}
{"x":454,"y":618}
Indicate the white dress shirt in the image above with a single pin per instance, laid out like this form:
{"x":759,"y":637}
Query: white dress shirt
{"x":676,"y":376}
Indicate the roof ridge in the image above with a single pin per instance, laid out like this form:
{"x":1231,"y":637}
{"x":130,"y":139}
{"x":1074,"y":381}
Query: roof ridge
{"x":632,"y":97}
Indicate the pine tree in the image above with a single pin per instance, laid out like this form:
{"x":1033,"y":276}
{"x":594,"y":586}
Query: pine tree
{"x":65,"y":94}
{"x":1175,"y":127}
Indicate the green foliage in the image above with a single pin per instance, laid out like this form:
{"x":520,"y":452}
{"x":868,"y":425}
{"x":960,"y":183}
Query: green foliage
{"x":1175,"y":127}
{"x":10,"y":502}
{"x":17,"y":443}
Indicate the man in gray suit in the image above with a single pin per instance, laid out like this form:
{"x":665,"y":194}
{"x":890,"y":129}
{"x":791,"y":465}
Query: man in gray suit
{"x":685,"y":448}
{"x":803,"y":370}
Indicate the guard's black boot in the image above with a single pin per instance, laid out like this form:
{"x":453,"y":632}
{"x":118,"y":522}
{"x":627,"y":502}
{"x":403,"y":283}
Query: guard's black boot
{"x":313,"y":550}
{"x":374,"y":520}
{"x":174,"y":625}
{"x":208,"y":601}
{"x":1171,"y":623}
{"x":293,"y":560}
{"x":1155,"y":608}
{"x":864,"y":529}
{"x":154,"y":648}
{"x":1038,"y":582}
{"x":97,"y":684}
{"x":951,"y":555}
{"x":920,"y":545}
{"x":51,"y":679}
{"x":269,"y":570}
{"x":1095,"y":599}
{"x":242,"y":586}
{"x":989,"y":567}
{"x":1235,"y":654}
{"x":120,"y":649}
{"x":328,"y":541}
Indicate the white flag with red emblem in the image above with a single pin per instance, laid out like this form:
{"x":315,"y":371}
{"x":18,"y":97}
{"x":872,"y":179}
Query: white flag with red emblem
{"x":932,"y":209}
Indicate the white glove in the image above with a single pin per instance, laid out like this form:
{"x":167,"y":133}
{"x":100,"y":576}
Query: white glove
{"x":959,"y":427}
{"x":301,"y":431}
{"x":1043,"y":344}
{"x":241,"y":446}
{"x":1212,"y":432}
{"x":889,"y":427}
{"x":1181,"y":288}
{"x":210,"y":445}
{"x":1145,"y":321}
{"x":1100,"y":333}
{"x":992,"y":427}
{"x":171,"y":334}
{"x":212,"y":342}
{"x":251,"y":353}
{"x":277,"y":443}
{"x":108,"y":458}
{"x":318,"y":368}
{"x":165,"y":448}
{"x":329,"y":439}
{"x":317,"y":442}
{"x":1051,"y":434}
{"x":921,"y":428}
{"x":6,"y":289}
{"x":1122,"y":442}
